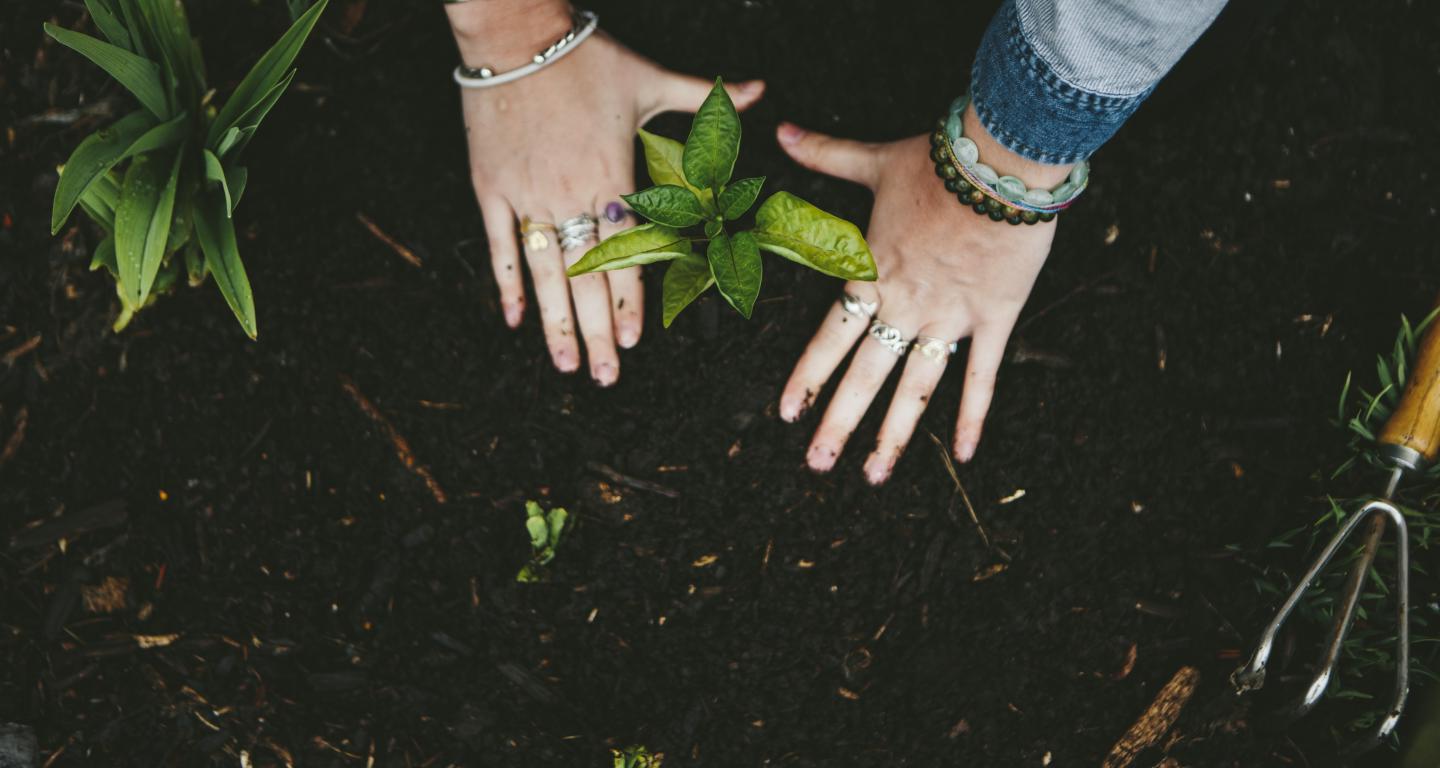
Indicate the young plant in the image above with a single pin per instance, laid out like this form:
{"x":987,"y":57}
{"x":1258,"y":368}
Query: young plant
{"x":637,"y":757}
{"x":693,"y":189}
{"x":545,"y":529}
{"x":165,"y":179}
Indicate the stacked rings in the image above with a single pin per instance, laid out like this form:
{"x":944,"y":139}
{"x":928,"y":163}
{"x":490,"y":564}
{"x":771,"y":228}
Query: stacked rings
{"x":577,"y":231}
{"x":889,"y":337}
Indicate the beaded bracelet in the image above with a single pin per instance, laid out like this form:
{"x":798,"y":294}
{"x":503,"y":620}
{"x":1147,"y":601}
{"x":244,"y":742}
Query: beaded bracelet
{"x":957,"y":163}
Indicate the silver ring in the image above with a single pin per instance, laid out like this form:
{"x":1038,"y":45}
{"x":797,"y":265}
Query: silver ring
{"x":577,"y":231}
{"x":858,"y":307}
{"x":889,"y":337}
{"x":938,"y":350}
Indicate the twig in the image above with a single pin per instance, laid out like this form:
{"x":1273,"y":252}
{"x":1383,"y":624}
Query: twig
{"x":400,"y":250}
{"x":401,"y":445}
{"x":1156,"y":721}
{"x":12,"y":444}
{"x":15,"y":354}
{"x":965,"y":497}
{"x":632,"y":482}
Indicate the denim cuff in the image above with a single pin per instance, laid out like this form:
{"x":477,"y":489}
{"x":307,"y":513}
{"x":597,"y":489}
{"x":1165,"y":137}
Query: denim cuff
{"x":1029,"y":108}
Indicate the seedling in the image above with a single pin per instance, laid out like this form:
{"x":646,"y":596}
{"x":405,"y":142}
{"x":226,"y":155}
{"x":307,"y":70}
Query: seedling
{"x":693,"y":189}
{"x":637,"y":757}
{"x":182,"y":176}
{"x":545,"y":529}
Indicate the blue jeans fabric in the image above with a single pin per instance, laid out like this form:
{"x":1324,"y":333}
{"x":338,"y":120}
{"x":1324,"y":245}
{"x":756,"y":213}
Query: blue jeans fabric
{"x":1054,"y":79}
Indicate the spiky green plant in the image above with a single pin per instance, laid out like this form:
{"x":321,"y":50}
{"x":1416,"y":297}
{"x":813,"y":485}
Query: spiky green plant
{"x":165,"y":179}
{"x":1367,"y":653}
{"x":693,"y":188}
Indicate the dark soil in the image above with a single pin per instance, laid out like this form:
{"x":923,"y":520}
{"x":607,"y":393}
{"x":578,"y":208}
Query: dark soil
{"x":1249,"y":238}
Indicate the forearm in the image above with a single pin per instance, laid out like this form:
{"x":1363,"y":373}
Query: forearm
{"x":1054,"y":79}
{"x":504,"y":34}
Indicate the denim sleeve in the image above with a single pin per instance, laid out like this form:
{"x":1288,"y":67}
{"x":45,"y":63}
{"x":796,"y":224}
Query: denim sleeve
{"x":1054,"y":79}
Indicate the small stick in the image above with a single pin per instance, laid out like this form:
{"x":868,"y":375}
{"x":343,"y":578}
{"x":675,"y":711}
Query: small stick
{"x":1156,"y":721}
{"x":16,"y":353}
{"x":633,"y":482}
{"x":401,"y":445}
{"x":400,"y":250}
{"x":974,"y":518}
{"x":12,"y":443}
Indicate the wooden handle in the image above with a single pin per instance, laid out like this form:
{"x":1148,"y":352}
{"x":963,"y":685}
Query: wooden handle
{"x":1416,"y":422}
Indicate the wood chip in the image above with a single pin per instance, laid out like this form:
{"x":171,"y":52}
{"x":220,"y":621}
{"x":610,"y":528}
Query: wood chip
{"x":705,"y":561}
{"x":12,"y":443}
{"x":1157,"y":720}
{"x":1016,"y":496}
{"x":990,"y":572}
{"x":28,"y":346}
{"x":155,"y":641}
{"x":846,"y":693}
{"x":1129,"y":665}
{"x":109,"y":596}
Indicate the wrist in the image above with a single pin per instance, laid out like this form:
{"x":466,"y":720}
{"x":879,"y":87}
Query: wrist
{"x":504,"y":34}
{"x":1007,"y":163}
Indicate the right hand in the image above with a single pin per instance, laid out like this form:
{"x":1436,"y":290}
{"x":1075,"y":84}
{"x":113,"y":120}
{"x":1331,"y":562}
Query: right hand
{"x":555,"y":144}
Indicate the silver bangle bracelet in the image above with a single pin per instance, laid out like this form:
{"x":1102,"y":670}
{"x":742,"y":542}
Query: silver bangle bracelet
{"x":584,"y":24}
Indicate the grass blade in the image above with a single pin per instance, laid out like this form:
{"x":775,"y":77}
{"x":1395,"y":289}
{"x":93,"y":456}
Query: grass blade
{"x":216,"y":233}
{"x":266,"y":73}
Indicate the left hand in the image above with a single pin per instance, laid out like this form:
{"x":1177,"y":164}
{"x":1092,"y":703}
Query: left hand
{"x":944,"y":272}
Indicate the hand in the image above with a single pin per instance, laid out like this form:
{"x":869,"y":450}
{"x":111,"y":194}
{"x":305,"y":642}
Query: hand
{"x":556,"y":144}
{"x":944,"y":272}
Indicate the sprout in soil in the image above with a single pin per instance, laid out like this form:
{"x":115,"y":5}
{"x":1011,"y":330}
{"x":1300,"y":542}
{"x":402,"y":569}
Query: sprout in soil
{"x":182,"y":178}
{"x":693,"y":188}
{"x":637,"y":757}
{"x":545,"y":529}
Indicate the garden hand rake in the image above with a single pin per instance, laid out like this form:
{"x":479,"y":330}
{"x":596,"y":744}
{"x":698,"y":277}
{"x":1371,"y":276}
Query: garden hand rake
{"x":1409,"y":441}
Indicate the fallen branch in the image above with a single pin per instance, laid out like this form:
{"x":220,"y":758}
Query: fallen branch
{"x":1156,"y":721}
{"x":395,"y":245}
{"x":397,"y":440}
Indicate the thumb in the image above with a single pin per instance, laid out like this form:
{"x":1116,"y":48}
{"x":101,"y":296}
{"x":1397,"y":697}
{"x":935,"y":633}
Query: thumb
{"x":850,"y":160}
{"x":682,"y":93}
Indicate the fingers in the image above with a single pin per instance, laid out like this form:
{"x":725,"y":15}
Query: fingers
{"x":505,"y":258}
{"x":552,"y":292}
{"x":682,"y":93}
{"x":592,"y":307}
{"x":832,"y":342}
{"x":987,"y":350}
{"x":912,"y":396}
{"x":627,"y":291}
{"x":851,"y":160}
{"x":867,"y":373}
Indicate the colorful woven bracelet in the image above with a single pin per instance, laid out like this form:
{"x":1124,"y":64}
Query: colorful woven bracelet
{"x":1002,"y":198}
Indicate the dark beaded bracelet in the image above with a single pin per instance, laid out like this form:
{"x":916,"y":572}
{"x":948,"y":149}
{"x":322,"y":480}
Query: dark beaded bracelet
{"x":978,"y":197}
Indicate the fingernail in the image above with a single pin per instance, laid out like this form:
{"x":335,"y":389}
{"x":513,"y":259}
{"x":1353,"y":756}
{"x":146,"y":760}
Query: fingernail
{"x":513,"y":313}
{"x":821,"y":458}
{"x":965,"y":452}
{"x":605,"y":374}
{"x":789,"y":410}
{"x":628,"y":337}
{"x":790,"y":133}
{"x":877,"y":470}
{"x":565,"y":360}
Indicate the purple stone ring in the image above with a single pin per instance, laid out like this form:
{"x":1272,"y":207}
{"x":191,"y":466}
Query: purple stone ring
{"x":614,"y":212}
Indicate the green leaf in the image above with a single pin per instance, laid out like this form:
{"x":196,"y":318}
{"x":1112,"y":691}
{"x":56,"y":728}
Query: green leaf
{"x":142,"y":222}
{"x":140,"y":76}
{"x":664,"y":161}
{"x":239,"y":135}
{"x":738,"y":197}
{"x":104,"y":256}
{"x":216,"y":173}
{"x":265,"y":75}
{"x":714,"y":141}
{"x":235,"y":178}
{"x":216,"y":232}
{"x":668,"y":204}
{"x":100,"y":198}
{"x":556,"y":520}
{"x":95,"y":155}
{"x":685,"y":280}
{"x":714,"y":228}
{"x":194,"y":265}
{"x":735,"y":262}
{"x":539,"y":532}
{"x":108,"y":23}
{"x":645,"y":244}
{"x":792,"y":228}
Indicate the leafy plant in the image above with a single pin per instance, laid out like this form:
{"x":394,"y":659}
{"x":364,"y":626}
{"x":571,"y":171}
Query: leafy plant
{"x":181,"y":177}
{"x":545,"y":529}
{"x":637,"y":757}
{"x":693,"y":188}
{"x":1367,"y":651}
